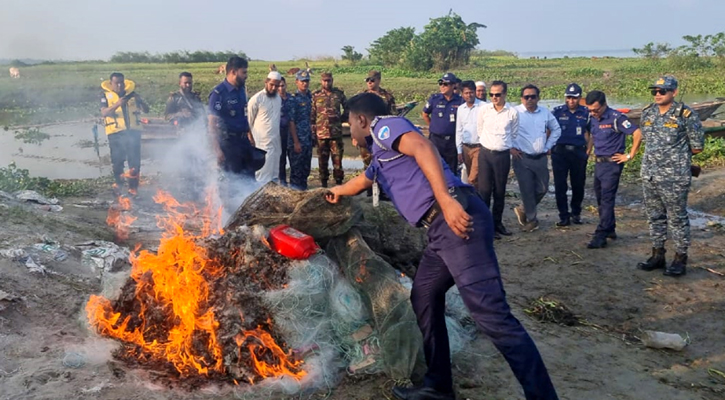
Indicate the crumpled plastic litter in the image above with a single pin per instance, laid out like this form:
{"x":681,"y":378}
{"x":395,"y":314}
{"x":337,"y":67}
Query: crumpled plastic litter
{"x":33,"y":196}
{"x":33,"y":266}
{"x":53,"y":249}
{"x":100,"y":255}
{"x":14,"y":254}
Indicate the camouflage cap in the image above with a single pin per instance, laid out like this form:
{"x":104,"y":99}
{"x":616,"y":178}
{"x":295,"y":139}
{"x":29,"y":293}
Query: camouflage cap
{"x":374,"y":74}
{"x":327,"y":75}
{"x":302,"y":75}
{"x":667,"y":82}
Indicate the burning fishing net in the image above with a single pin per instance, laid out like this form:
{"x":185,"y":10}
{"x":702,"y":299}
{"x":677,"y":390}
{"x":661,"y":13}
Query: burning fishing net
{"x":221,"y":304}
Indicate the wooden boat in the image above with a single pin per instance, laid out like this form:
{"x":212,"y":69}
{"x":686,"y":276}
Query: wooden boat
{"x":714,"y":128}
{"x":704,"y":110}
{"x":158,"y":129}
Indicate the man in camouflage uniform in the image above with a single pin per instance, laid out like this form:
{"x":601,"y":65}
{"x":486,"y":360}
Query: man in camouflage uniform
{"x":184,"y":106}
{"x":299,"y":145}
{"x":328,"y":114}
{"x":672,"y":133}
{"x":373,"y":82}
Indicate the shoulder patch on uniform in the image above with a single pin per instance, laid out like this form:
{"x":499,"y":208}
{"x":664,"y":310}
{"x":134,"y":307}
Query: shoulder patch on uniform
{"x":384,"y":133}
{"x":627,"y":124}
{"x":218,"y":105}
{"x":687,"y":112}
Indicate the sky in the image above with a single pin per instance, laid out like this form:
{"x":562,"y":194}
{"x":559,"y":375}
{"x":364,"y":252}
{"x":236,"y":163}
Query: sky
{"x":287,"y":29}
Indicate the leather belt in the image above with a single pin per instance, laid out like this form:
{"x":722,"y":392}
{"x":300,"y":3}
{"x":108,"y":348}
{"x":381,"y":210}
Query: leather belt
{"x":534,"y":156}
{"x":604,"y":159}
{"x":473,"y":145}
{"x":496,"y":151}
{"x":569,"y":147}
{"x":460,"y":193}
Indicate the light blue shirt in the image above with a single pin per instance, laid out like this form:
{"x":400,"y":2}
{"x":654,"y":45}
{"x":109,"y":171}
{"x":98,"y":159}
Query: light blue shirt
{"x":532,"y":137}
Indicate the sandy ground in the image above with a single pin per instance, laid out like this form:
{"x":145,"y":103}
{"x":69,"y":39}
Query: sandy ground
{"x":41,"y":336}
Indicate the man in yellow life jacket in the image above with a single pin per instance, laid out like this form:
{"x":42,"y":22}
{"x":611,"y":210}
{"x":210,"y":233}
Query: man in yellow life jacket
{"x":121,"y":108}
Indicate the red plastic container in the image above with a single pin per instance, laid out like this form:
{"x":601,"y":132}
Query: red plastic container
{"x":292,"y":243}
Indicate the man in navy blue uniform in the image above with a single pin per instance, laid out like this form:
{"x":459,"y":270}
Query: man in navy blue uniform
{"x":230,"y":136}
{"x":609,"y":128}
{"x":460,"y":248}
{"x":569,"y":156}
{"x":440,"y":115}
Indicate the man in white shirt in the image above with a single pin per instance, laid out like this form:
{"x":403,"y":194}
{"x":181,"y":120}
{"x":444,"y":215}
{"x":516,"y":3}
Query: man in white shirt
{"x":538,"y":133}
{"x":467,"y":142}
{"x":264,"y":112}
{"x":481,"y":90}
{"x":497,"y":126}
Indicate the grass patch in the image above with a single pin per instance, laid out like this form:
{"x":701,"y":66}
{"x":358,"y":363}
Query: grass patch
{"x":13,"y":179}
{"x":550,"y":310}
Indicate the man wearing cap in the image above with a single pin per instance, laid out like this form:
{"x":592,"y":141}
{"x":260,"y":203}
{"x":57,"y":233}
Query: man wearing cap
{"x":373,"y":83}
{"x":229,"y":132}
{"x":570,"y":154}
{"x":184,"y":106}
{"x":467,"y":143}
{"x":328,"y":114}
{"x":265,"y":112}
{"x":608,"y":128}
{"x":538,"y":133}
{"x":299,"y":147}
{"x":481,"y":90}
{"x":440,"y":115}
{"x":672,"y":133}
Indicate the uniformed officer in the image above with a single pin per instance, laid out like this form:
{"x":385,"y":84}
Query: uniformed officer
{"x":184,"y":106}
{"x":328,"y":114}
{"x":284,"y":129}
{"x":229,"y":131}
{"x":299,"y":145}
{"x":608,"y":129}
{"x":373,"y":86}
{"x":120,"y":109}
{"x":672,"y":133}
{"x":569,"y":156}
{"x":460,"y":249}
{"x":440,"y":115}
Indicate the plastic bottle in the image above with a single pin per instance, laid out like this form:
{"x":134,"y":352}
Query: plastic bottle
{"x":292,"y":243}
{"x":662,"y":340}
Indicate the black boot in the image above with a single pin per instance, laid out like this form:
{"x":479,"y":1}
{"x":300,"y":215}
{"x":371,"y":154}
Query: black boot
{"x":678,"y":266}
{"x":324,"y":183}
{"x":599,"y":241}
{"x":420,"y":393}
{"x":657,"y":261}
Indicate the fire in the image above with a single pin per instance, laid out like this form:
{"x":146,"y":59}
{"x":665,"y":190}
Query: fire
{"x":119,"y":219}
{"x":172,"y":319}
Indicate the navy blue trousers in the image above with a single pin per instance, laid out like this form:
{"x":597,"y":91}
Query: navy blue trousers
{"x":446,"y":145}
{"x":606,"y":183}
{"x":284,"y":133}
{"x":570,"y":164}
{"x":472,"y":266}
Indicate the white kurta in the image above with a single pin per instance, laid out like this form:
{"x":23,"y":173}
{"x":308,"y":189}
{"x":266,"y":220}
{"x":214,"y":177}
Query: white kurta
{"x":264,"y":115}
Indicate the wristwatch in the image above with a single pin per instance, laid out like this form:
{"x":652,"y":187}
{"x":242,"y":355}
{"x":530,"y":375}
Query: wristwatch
{"x":628,"y":156}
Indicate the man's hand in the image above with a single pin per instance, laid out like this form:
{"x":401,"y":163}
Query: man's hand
{"x":620,"y":158}
{"x":516,"y":153}
{"x":460,"y":158}
{"x":457,"y":218}
{"x":298,"y":148}
{"x":354,"y":142}
{"x":333,"y":195}
{"x":251,"y":139}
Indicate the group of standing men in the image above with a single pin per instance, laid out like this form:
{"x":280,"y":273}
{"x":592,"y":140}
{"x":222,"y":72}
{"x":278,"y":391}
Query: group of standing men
{"x":491,"y":137}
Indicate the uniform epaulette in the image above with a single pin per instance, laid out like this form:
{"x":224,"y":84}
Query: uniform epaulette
{"x":648,"y":107}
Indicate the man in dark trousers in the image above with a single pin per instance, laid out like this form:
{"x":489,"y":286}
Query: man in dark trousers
{"x":440,"y":115}
{"x":460,"y":249}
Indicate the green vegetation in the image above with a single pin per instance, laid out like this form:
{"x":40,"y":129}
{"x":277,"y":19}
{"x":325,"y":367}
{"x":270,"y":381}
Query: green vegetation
{"x":349,"y":54}
{"x":31,"y":135}
{"x":13,"y":179}
{"x":175,"y":57}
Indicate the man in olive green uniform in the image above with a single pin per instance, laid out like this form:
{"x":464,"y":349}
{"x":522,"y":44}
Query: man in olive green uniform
{"x":373,"y":82}
{"x":328,"y":114}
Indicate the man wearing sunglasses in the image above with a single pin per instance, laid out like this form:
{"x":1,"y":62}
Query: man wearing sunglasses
{"x":609,"y":128}
{"x":672,"y":133}
{"x":440,"y":115}
{"x":569,"y":156}
{"x":538,"y":133}
{"x":373,"y":86}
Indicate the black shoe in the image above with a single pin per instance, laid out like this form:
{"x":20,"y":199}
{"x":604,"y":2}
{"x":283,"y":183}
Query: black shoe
{"x":598,"y":242}
{"x":500,"y":229}
{"x":657,"y":261}
{"x":564,"y":222}
{"x":678,"y":266}
{"x":324,"y":184}
{"x":612,"y":235}
{"x":576,"y":219}
{"x":420,"y":393}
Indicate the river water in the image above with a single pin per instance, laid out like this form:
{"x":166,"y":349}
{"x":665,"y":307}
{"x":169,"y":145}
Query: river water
{"x":70,"y":153}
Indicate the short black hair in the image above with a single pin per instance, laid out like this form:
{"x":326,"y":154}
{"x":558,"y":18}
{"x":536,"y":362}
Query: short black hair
{"x":596,"y":96}
{"x":185,"y":74}
{"x":117,"y":75}
{"x":235,"y":63}
{"x":530,"y":86}
{"x":468,"y":85}
{"x":502,"y":84}
{"x":284,"y":80}
{"x":369,"y":104}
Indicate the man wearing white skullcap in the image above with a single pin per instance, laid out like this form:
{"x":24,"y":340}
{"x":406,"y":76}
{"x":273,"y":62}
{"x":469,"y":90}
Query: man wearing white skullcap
{"x":481,"y":90}
{"x":264,"y":112}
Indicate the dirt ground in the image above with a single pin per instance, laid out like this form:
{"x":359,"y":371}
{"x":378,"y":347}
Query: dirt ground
{"x":42,"y":338}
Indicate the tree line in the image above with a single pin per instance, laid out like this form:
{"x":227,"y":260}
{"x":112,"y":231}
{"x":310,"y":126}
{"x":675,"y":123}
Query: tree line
{"x":696,"y":46}
{"x":174,"y":57}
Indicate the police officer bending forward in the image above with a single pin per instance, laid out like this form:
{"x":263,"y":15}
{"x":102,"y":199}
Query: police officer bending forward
{"x":460,"y":248}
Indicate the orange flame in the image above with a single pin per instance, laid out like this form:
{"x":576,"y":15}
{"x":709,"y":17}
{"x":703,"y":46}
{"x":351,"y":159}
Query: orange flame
{"x":119,"y":219}
{"x":262,"y":346}
{"x":176,"y":283}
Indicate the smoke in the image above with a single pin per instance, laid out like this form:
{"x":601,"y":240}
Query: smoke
{"x":189,"y":171}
